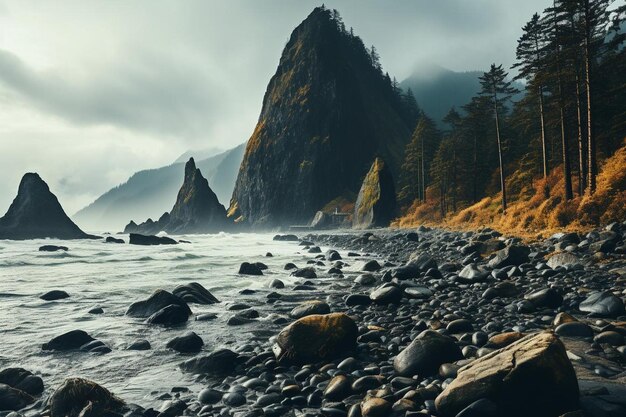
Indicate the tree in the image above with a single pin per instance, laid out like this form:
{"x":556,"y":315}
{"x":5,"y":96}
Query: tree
{"x":531,"y":54}
{"x":375,"y":59}
{"x":498,"y":91}
{"x":595,"y":19}
{"x":417,"y":159}
{"x":554,"y":34}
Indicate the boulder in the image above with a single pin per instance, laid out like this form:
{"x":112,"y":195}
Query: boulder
{"x":195,"y":293}
{"x":111,"y":239}
{"x":22,"y":380}
{"x":219,"y":362}
{"x":76,"y":340}
{"x":545,"y":298}
{"x":309,"y":308}
{"x":513,"y":255}
{"x":12,"y":399}
{"x":308,"y":272}
{"x":78,"y":397}
{"x":425,"y":354}
{"x":36,"y":213}
{"x":246,"y":268}
{"x":603,"y":304}
{"x":387,"y":294}
{"x":54,"y":295}
{"x":53,"y":248}
{"x":171,"y":315}
{"x":150,"y":240}
{"x":562,"y":259}
{"x":157,"y":301}
{"x":286,"y":238}
{"x":190,"y":342}
{"x":532,"y":376}
{"x":376,"y":203}
{"x":422,"y":261}
{"x":316,"y":338}
{"x":321,"y":220}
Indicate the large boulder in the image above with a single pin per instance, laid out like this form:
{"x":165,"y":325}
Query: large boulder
{"x":36,"y":213}
{"x":315,"y":338}
{"x":426,"y":353}
{"x":219,"y":362}
{"x":309,"y":308}
{"x":603,"y":304}
{"x":76,"y":340}
{"x":195,"y":293}
{"x":22,"y":380}
{"x":150,"y":240}
{"x":513,"y":255}
{"x":532,"y":376}
{"x":80,"y":397}
{"x":562,"y":259}
{"x":12,"y":399}
{"x":157,"y":301}
{"x":376,"y":204}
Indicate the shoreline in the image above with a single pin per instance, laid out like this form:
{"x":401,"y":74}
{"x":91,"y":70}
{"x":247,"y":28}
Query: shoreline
{"x":438,"y":296}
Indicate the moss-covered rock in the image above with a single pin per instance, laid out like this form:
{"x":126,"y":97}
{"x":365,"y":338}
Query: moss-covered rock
{"x":315,"y":338}
{"x":376,"y":204}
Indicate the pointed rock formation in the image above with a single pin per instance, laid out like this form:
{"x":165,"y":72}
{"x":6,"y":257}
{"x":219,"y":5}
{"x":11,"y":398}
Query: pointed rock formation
{"x":327,"y":112}
{"x":376,"y":204}
{"x":197,"y":209}
{"x":36,"y":213}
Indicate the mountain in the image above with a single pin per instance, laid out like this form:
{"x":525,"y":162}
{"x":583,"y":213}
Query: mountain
{"x":36,"y":213}
{"x":438,"y":89}
{"x":197,"y":209}
{"x":328,"y":111}
{"x":151,"y":192}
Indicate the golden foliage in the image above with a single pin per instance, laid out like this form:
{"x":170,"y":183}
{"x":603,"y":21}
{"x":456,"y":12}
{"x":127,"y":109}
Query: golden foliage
{"x":538,"y":209}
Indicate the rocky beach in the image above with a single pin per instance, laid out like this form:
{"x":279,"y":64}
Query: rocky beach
{"x":379,"y":323}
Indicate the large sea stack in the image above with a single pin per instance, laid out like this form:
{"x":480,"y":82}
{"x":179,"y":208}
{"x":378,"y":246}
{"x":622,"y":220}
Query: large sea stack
{"x":36,"y":213}
{"x":197,"y":209}
{"x":327,"y":113}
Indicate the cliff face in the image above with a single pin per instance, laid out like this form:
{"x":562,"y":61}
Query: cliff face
{"x":327,"y":112}
{"x":36,"y":213}
{"x":197,"y":209}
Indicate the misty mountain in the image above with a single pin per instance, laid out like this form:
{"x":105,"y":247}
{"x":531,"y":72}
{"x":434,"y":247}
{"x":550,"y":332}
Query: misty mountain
{"x":150,"y":193}
{"x":437,"y":89}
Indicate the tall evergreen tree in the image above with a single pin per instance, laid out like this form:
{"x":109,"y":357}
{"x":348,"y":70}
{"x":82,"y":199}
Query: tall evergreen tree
{"x":498,"y":90}
{"x":531,"y":53}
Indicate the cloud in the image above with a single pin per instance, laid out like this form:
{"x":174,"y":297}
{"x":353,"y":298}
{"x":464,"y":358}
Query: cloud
{"x":148,"y":95}
{"x":92,"y":91}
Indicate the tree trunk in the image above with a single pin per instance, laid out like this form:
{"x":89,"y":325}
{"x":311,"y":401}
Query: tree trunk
{"x":474,"y":180}
{"x":423,"y":173}
{"x":502,"y":182}
{"x":591,"y":140}
{"x":582,"y":177}
{"x":567,"y":177}
{"x":544,"y":149}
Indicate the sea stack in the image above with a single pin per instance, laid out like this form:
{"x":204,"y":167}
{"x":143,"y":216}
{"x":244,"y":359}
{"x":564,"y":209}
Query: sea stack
{"x":36,"y":213}
{"x":197,"y":209}
{"x":376,"y":204}
{"x":327,"y":113}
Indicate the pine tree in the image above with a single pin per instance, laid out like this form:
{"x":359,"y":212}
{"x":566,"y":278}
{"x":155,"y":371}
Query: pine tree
{"x":531,"y":53}
{"x":498,"y":91}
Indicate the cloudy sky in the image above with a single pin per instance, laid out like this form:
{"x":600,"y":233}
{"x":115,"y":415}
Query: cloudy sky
{"x":92,"y":91}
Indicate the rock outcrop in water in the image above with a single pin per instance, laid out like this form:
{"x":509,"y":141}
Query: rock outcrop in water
{"x":327,"y":113}
{"x":197,"y":209}
{"x":376,"y":204}
{"x":36,"y":213}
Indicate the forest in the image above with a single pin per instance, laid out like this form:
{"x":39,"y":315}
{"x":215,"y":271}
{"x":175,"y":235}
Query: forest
{"x":547,"y":157}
